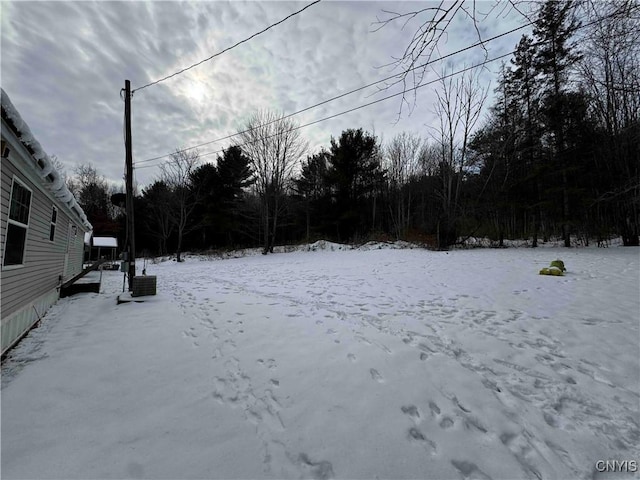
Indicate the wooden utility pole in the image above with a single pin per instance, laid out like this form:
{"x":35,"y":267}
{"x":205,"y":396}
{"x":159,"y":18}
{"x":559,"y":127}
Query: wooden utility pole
{"x":131,"y":247}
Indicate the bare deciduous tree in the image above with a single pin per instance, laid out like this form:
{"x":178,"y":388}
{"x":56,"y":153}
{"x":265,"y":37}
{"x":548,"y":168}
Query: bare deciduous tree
{"x":84,"y":175}
{"x":176,"y":174}
{"x":458,"y":107}
{"x":275,"y":148}
{"x":431,"y":30}
{"x":402,"y":158}
{"x":428,"y":158}
{"x":93,"y":193}
{"x":610,"y":74}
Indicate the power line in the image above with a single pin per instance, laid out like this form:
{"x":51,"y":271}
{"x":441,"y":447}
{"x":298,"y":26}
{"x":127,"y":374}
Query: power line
{"x":369,"y":85}
{"x":298,"y":127}
{"x":226,"y":49}
{"x":469,"y":47}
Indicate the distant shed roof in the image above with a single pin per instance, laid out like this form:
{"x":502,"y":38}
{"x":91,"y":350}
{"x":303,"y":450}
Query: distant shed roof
{"x":105,"y":242}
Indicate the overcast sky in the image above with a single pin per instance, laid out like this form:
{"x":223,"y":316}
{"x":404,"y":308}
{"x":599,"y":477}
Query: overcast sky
{"x":64,"y":64}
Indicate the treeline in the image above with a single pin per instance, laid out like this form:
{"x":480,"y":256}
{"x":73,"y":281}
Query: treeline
{"x":557,"y":155}
{"x":560,"y":151}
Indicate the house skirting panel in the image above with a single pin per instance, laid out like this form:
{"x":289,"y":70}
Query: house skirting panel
{"x":16,"y":325}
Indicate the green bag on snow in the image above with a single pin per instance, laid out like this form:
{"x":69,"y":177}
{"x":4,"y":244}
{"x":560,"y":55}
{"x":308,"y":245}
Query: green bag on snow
{"x":556,"y":269}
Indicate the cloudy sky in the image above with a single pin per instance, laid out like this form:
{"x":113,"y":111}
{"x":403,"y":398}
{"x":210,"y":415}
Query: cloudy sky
{"x":63,"y":64}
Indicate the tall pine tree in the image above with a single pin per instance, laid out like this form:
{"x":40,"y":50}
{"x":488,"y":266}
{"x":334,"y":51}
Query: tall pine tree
{"x":555,"y":57}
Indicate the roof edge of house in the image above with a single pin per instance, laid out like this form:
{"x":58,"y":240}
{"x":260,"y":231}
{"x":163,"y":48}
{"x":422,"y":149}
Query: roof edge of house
{"x":42,"y":162}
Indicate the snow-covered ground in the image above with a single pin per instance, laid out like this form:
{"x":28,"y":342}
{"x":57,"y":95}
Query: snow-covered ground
{"x":371,"y":363}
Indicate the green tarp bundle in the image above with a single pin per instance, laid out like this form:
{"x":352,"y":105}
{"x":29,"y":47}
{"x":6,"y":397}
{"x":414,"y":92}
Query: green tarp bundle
{"x":556,"y":269}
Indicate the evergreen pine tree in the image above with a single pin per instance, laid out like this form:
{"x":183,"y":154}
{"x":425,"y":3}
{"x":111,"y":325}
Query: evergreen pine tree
{"x":554,"y":58}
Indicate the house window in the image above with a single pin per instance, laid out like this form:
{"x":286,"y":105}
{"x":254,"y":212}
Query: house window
{"x":18,"y":224}
{"x":52,"y":229}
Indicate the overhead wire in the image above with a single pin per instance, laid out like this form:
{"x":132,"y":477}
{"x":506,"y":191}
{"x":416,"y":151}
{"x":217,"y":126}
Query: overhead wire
{"x":342,"y":95}
{"x":403,"y":92}
{"x":226,"y":49}
{"x":298,"y":127}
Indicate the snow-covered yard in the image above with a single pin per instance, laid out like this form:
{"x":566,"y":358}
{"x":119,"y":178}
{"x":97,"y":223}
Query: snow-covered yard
{"x":380,"y":363}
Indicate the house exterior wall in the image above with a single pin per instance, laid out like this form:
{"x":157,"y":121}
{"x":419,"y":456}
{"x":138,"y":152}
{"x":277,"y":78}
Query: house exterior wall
{"x":28,"y":290}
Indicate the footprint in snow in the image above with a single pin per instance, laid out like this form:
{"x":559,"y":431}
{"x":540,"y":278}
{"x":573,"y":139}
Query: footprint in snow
{"x":219,"y":397}
{"x":469,"y":470}
{"x":412,"y":411}
{"x":267,"y":413}
{"x":456,"y":402}
{"x":473,"y":423}
{"x":415,"y":435}
{"x":229,"y":345}
{"x":491,"y":385}
{"x":375,"y":375}
{"x":507,"y":437}
{"x":321,"y":470}
{"x":446,"y":423}
{"x":351,"y":357}
{"x":189,"y":333}
{"x":426,"y":348}
{"x":269,"y":363}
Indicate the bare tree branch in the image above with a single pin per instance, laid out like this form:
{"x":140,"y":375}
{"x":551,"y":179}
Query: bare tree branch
{"x":275,"y":148}
{"x":177,"y":175}
{"x":429,"y":36}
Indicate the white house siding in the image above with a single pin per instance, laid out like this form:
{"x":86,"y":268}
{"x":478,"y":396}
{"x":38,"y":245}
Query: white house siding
{"x":75,"y":251}
{"x":27,"y":291}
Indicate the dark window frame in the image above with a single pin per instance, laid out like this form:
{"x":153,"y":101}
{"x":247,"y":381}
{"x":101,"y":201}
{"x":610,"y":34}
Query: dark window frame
{"x":52,"y":227}
{"x":18,"y":221}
